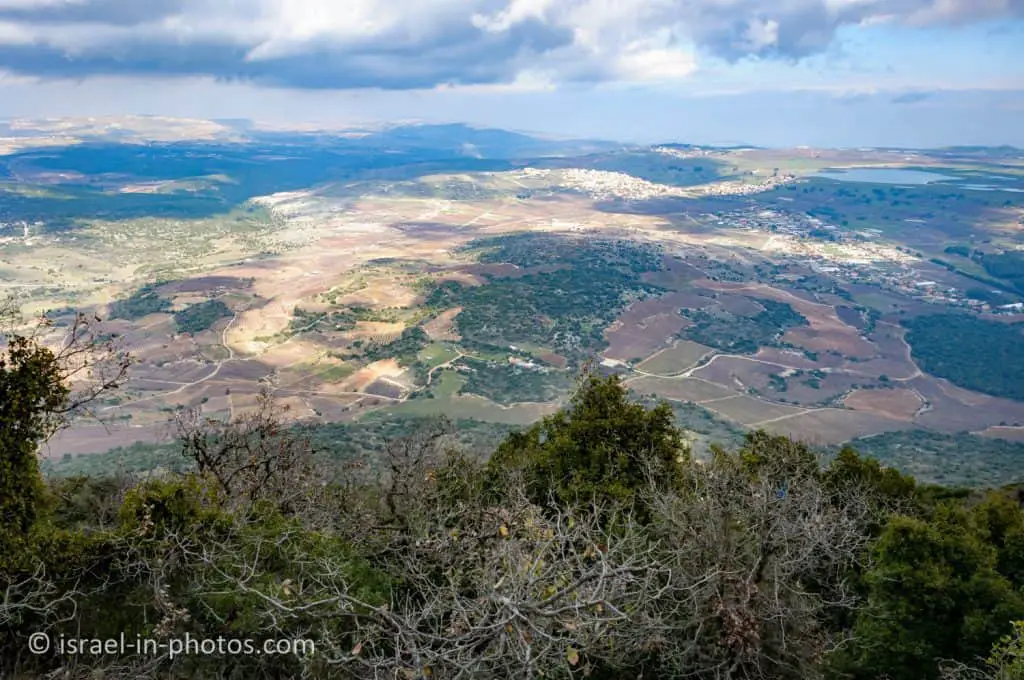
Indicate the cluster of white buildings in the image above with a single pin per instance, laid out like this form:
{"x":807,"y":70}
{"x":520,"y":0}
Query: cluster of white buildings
{"x":688,"y":152}
{"x":605,"y":185}
{"x":774,"y":221}
{"x":734,"y":188}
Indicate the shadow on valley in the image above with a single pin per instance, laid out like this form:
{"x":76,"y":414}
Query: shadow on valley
{"x":61,"y":187}
{"x":191,"y":180}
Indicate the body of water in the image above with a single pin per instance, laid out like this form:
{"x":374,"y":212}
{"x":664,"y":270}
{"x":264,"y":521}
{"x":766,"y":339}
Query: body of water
{"x":884,"y":176}
{"x":989,"y":187}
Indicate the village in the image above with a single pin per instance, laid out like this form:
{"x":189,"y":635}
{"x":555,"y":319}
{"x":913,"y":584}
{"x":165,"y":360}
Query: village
{"x":603,"y":185}
{"x":852,"y":255}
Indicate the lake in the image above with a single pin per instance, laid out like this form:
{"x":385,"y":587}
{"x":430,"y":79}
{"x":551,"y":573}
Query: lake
{"x":989,"y":187}
{"x":884,"y":176}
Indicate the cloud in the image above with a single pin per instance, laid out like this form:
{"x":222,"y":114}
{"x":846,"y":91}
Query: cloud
{"x":416,"y":44}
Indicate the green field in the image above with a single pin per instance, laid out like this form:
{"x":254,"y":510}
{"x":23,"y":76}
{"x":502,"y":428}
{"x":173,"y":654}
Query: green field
{"x":436,"y":354}
{"x":443,"y":399}
{"x":336,"y":373}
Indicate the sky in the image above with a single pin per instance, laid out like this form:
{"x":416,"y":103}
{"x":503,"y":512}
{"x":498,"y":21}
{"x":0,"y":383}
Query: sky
{"x":769,"y":72}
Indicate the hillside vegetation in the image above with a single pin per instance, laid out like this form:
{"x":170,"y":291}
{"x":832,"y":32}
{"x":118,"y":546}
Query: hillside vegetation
{"x":145,"y":300}
{"x":960,"y":459}
{"x":980,"y":355}
{"x":745,"y":334}
{"x":1008,"y":266}
{"x":572,"y":290}
{"x":589,"y":545}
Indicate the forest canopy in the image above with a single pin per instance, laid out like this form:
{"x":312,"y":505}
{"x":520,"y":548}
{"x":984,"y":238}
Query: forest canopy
{"x":964,"y":349}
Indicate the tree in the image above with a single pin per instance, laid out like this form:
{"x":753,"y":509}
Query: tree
{"x":47,"y":377}
{"x":591,"y":546}
{"x":934,"y":593}
{"x":887,"y":489}
{"x":759,"y":550}
{"x":1005,"y":663}
{"x":256,"y":456}
{"x":1003,"y":521}
{"x":602,"y":448}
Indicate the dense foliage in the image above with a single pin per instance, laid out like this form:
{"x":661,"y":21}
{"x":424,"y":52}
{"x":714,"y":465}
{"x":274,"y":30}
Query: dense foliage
{"x":405,"y":349}
{"x":1008,"y":266}
{"x":744,"y":334}
{"x":200,"y":317}
{"x":938,"y":588}
{"x":970,"y":352}
{"x":36,"y":398}
{"x":603,"y":448}
{"x":31,"y":390}
{"x":574,"y":292}
{"x":960,"y":459}
{"x":507,"y":383}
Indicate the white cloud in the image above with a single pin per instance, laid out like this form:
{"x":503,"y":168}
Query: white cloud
{"x":656,"y":65}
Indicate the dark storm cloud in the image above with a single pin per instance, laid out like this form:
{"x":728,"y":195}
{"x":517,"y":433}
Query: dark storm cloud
{"x":412,"y":44}
{"x":466,"y":57}
{"x":462,"y":54}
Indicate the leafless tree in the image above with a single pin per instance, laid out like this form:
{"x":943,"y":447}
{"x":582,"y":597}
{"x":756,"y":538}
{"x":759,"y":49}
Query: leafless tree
{"x":256,"y":456}
{"x":409,"y":462}
{"x":757,"y":560}
{"x":489,"y":592}
{"x":87,"y":360}
{"x":955,"y":670}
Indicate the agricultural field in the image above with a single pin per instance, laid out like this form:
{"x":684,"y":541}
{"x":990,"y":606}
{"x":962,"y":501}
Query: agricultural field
{"x":683,"y":354}
{"x":384,"y":276}
{"x":753,"y":412}
{"x":896,"y":403}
